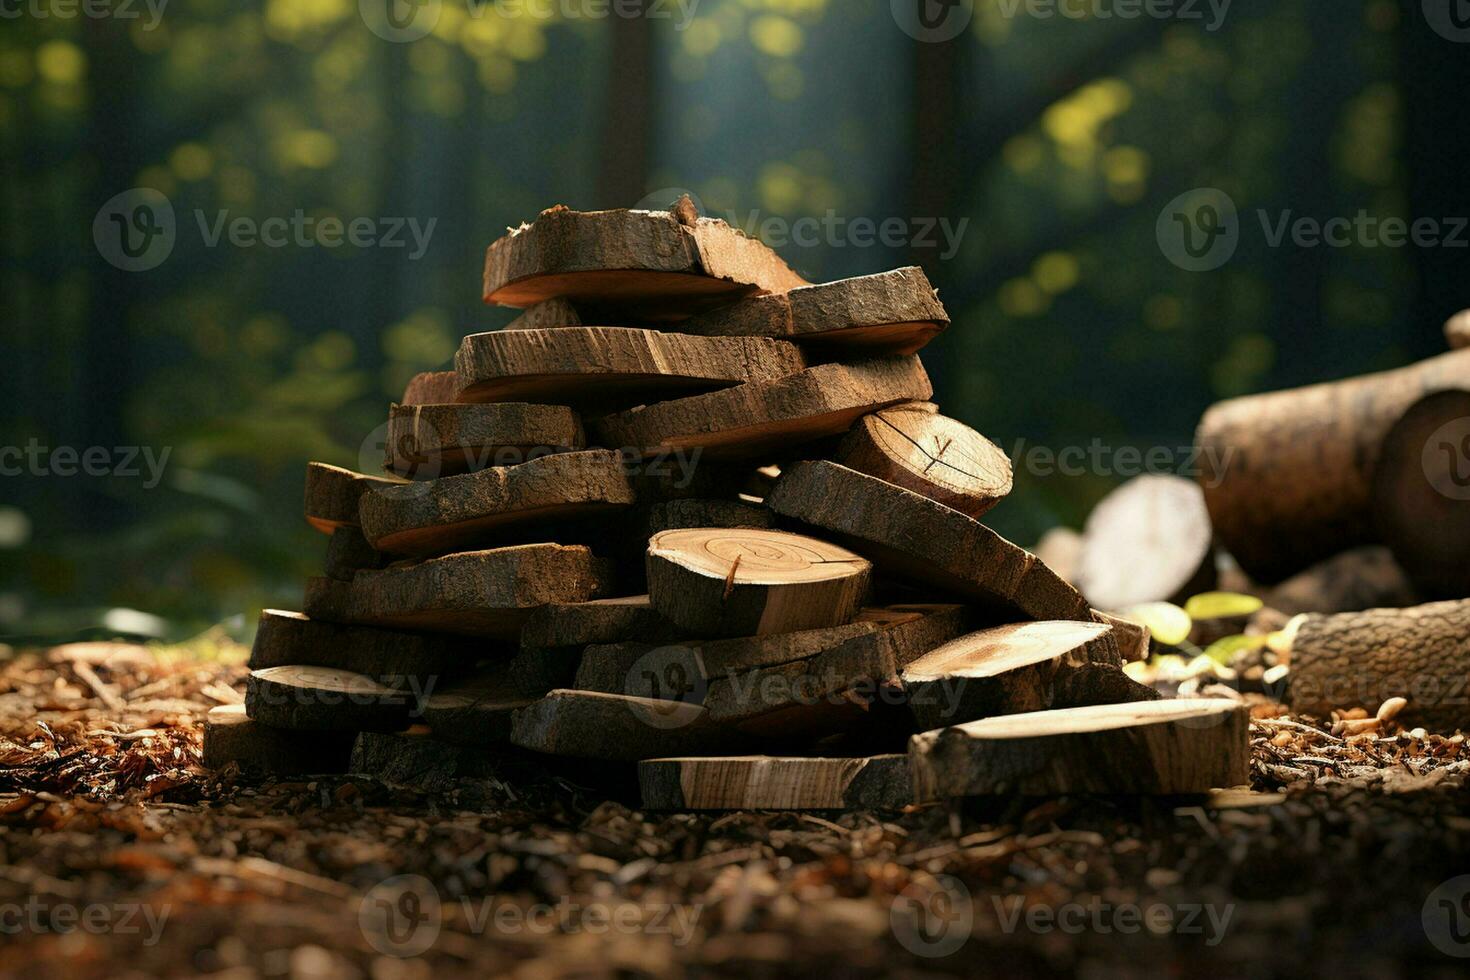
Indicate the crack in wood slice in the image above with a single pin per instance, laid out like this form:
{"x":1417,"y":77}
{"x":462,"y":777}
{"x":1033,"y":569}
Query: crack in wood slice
{"x":918,"y":539}
{"x":894,"y":312}
{"x":475,"y":593}
{"x":765,"y":783}
{"x":757,"y":419}
{"x":431,"y":388}
{"x":457,"y":512}
{"x":613,"y":367}
{"x":391,"y":657}
{"x":751,"y":581}
{"x":648,"y":262}
{"x":1149,"y":540}
{"x":427,"y":441}
{"x":333,"y":493}
{"x":231,"y":736}
{"x":306,"y":698}
{"x":930,"y":454}
{"x":1150,"y":747}
{"x":592,"y":725}
{"x":576,"y":624}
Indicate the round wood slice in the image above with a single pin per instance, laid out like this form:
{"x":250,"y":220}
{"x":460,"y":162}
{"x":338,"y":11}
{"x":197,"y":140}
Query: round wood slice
{"x":426,"y":441}
{"x":1164,"y":747}
{"x":1147,"y":541}
{"x":1421,"y":493}
{"x":232,"y":736}
{"x":756,"y":419}
{"x":764,"y":783}
{"x":1457,"y":330}
{"x":389,"y":656}
{"x":929,"y":454}
{"x":325,"y":699}
{"x":458,"y":512}
{"x":333,"y":494}
{"x":477,"y":711}
{"x":431,"y":388}
{"x":612,"y":365}
{"x":591,"y":725}
{"x":751,"y":581}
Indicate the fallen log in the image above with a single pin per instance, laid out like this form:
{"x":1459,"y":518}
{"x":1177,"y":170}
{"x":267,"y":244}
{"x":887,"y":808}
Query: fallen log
{"x":1359,"y":578}
{"x":1149,"y":540}
{"x":325,"y":699}
{"x":333,"y":494}
{"x":1296,"y":467}
{"x":426,"y":441}
{"x":930,"y":454}
{"x":232,"y":736}
{"x":1156,"y":747}
{"x":757,"y":782}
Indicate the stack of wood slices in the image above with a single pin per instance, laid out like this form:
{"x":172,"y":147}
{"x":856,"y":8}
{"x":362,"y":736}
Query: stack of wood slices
{"x":691,"y":512}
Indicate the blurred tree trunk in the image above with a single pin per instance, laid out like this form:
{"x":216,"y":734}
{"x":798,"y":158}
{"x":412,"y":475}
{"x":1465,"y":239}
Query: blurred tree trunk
{"x":934,"y":180}
{"x":627,"y":116}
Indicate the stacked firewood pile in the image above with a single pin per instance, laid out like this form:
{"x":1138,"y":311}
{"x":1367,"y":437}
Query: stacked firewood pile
{"x":729,"y":539}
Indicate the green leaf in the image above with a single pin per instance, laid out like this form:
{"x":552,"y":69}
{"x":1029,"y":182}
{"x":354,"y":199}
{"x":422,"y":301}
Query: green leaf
{"x":1167,"y":622}
{"x":1218,"y":605}
{"x":1223,"y":650}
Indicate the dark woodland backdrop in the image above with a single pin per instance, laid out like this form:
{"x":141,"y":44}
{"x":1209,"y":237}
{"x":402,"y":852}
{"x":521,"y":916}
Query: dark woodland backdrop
{"x":1059,"y":139}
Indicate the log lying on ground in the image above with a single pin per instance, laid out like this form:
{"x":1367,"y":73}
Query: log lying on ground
{"x":1002,"y":670}
{"x":431,"y":388}
{"x":232,"y":736}
{"x":754,"y":419}
{"x":1361,"y":659}
{"x":1147,"y":541}
{"x":388,"y":656}
{"x":590,"y":725}
{"x":893,"y":312}
{"x":426,"y":441}
{"x":326,"y":699}
{"x":1163,"y":747}
{"x":475,"y":593}
{"x":925,"y":541}
{"x":1296,"y":485}
{"x":1457,"y":330}
{"x":1359,"y":578}
{"x":758,"y":782}
{"x":1421,"y":493}
{"x":577,"y":624}
{"x":662,"y":264}
{"x":751,"y":581}
{"x":930,"y":454}
{"x":418,"y":761}
{"x":612,"y":366}
{"x":333,"y":494}
{"x":456,"y":512}
{"x":347,"y":552}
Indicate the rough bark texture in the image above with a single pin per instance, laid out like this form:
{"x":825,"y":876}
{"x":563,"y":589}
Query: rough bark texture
{"x":388,"y":656}
{"x":765,"y":783}
{"x":612,"y":366}
{"x":751,"y":581}
{"x":662,"y":265}
{"x":477,"y":711}
{"x":671,"y":514}
{"x":418,"y":761}
{"x":1359,"y":578}
{"x":325,"y":599}
{"x":457,"y":512}
{"x":614,"y":727}
{"x":333,"y":493}
{"x":1148,"y":541}
{"x":1132,"y":638}
{"x":325,"y":699}
{"x":918,"y":539}
{"x":548,"y":314}
{"x":232,"y":736}
{"x":894,"y":312}
{"x":1163,"y":747}
{"x":1421,"y":493}
{"x":1457,"y":330}
{"x":576,"y":624}
{"x":474,"y":593}
{"x":348,"y":551}
{"x":930,"y":454}
{"x":1296,"y":487}
{"x":426,"y":441}
{"x":754,"y":419}
{"x":431,"y":388}
{"x":1361,"y":659}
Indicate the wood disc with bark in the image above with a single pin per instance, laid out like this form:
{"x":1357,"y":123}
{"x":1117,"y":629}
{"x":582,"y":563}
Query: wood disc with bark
{"x":1457,"y":330}
{"x":695,"y":512}
{"x":577,"y":624}
{"x":1156,"y":747}
{"x":1148,"y":541}
{"x":1289,"y":474}
{"x":477,"y":711}
{"x":458,"y":512}
{"x":930,"y":454}
{"x":549,"y":314}
{"x":347,"y":552}
{"x":389,"y":656}
{"x":484,"y":594}
{"x":230,"y":735}
{"x":1003,"y":670}
{"x":759,"y":782}
{"x":919,"y":539}
{"x":1421,"y":493}
{"x":590,"y":725}
{"x":417,"y":760}
{"x":304,"y":698}
{"x":431,"y":388}
{"x":1361,"y":659}
{"x":663,"y":265}
{"x":894,"y":312}
{"x":756,"y":419}
{"x":751,"y":581}
{"x":612,"y":366}
{"x":333,"y":494}
{"x":426,"y":441}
